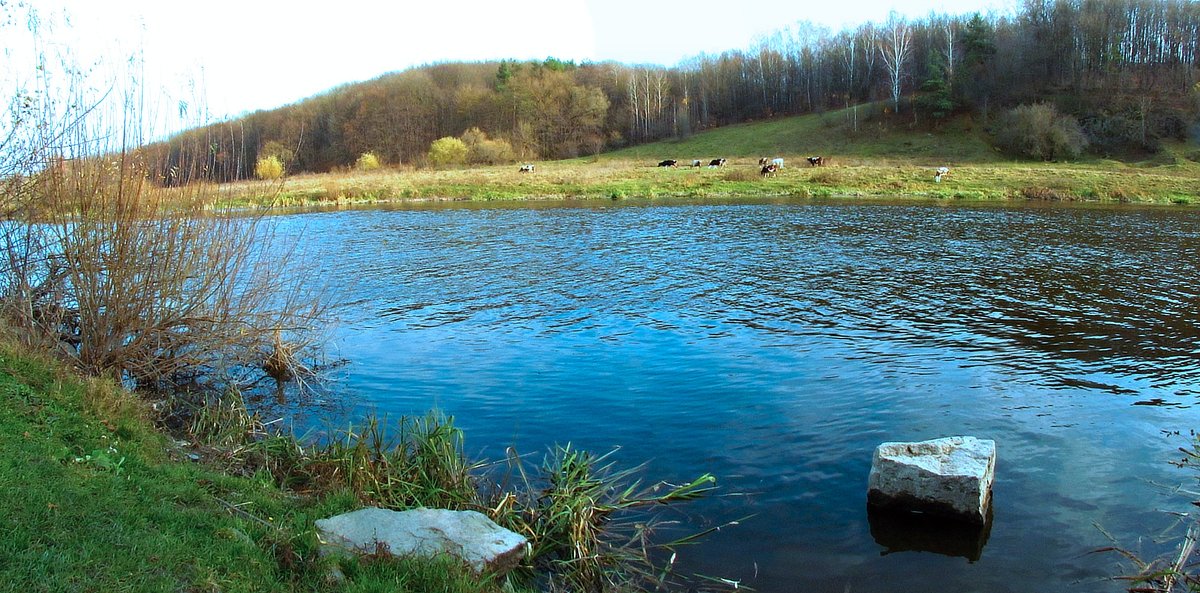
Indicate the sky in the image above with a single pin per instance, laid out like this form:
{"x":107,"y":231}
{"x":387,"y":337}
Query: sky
{"x":238,"y":56}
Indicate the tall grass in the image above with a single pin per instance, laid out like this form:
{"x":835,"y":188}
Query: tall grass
{"x":590,"y":524}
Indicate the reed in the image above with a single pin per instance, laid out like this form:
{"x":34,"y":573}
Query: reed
{"x":1178,"y":571}
{"x":592,"y":526}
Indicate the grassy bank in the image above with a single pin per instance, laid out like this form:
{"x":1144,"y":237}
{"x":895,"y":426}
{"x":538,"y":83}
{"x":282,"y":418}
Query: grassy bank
{"x":877,"y":160}
{"x":93,"y":498}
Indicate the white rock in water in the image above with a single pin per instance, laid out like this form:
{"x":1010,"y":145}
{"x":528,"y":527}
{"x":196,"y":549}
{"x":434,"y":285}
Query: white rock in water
{"x":468,"y":535}
{"x":950,"y":476}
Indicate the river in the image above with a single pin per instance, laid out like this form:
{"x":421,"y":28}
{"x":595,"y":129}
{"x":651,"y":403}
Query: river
{"x":775,"y":343}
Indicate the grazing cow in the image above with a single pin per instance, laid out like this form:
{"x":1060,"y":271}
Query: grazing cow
{"x":769,"y":170}
{"x":778,"y":162}
{"x":669,"y":163}
{"x":941,"y":172}
{"x":696,"y":163}
{"x":716,"y":163}
{"x":762,"y":162}
{"x":816,"y":161}
{"x":527,"y":168}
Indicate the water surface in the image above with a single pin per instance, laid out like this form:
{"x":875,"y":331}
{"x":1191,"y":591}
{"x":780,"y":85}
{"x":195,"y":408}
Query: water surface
{"x":776,"y":343}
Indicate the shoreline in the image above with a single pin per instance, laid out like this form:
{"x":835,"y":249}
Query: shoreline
{"x":617,"y":180}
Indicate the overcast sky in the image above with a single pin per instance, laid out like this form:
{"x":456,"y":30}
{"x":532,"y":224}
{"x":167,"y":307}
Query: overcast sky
{"x":236,"y":56}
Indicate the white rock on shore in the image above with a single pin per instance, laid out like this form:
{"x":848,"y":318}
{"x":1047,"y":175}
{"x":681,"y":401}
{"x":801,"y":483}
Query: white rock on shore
{"x":471,"y":536}
{"x":950,"y":477}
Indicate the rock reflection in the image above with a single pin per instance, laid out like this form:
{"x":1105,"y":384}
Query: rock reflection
{"x":918,"y":532}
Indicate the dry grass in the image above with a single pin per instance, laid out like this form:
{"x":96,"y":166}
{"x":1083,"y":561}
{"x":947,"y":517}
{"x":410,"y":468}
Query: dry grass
{"x":613,"y":177}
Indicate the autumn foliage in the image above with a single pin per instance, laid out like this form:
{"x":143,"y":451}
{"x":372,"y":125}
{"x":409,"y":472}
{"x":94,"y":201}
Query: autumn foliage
{"x":1124,"y":70}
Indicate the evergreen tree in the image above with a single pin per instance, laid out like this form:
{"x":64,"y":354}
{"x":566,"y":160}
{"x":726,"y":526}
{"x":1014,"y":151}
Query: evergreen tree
{"x":935,"y":100}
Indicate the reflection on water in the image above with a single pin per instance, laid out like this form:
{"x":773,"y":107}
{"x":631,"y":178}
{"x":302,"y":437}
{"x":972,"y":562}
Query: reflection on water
{"x":916,"y":532}
{"x":775,"y":344}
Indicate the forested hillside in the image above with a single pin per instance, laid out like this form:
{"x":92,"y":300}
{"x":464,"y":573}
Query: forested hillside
{"x":1113,"y":77}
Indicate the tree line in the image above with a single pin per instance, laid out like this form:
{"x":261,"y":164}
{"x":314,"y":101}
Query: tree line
{"x":1125,"y":71}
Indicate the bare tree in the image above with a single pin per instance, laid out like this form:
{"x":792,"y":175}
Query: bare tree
{"x":948,"y":28}
{"x":894,"y":48}
{"x":849,"y":57}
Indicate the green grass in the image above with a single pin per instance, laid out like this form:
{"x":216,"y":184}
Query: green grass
{"x":831,"y":134}
{"x":93,"y":498}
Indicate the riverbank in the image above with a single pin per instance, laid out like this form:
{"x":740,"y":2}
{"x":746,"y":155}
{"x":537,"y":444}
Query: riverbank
{"x":883,"y":159}
{"x":94,"y":498}
{"x":616,"y":179}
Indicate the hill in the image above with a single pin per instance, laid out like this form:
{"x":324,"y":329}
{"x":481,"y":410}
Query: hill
{"x":1130,"y":92}
{"x":878,"y":138}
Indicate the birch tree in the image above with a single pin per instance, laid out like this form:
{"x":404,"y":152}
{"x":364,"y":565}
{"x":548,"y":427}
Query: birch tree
{"x":849,"y":56}
{"x":894,"y":47}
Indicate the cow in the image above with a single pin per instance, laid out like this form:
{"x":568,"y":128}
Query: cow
{"x":669,"y":163}
{"x":816,"y":161}
{"x":762,"y":162}
{"x":696,"y":163}
{"x":769,"y":170}
{"x":778,"y":162}
{"x":526,"y":169}
{"x":716,"y":163}
{"x":941,"y":172}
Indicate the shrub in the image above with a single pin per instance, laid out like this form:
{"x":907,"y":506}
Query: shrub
{"x":269,"y":168}
{"x":1039,"y":131}
{"x":127,"y":279}
{"x":482,"y":150}
{"x":1110,"y":134}
{"x":367,"y":161}
{"x":447,"y":151}
{"x":491,"y":152}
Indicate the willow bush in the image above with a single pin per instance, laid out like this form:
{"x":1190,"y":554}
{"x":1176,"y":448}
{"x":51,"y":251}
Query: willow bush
{"x":129,"y":275}
{"x":269,"y":168}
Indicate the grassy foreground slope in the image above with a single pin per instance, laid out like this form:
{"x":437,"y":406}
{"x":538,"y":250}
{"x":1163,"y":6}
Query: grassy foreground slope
{"x":93,"y":498}
{"x":883,"y":158}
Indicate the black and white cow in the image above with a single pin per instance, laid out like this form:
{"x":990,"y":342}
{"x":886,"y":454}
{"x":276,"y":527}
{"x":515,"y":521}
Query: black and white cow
{"x":526,"y":168}
{"x":716,"y":163}
{"x":669,"y":163}
{"x":816,"y":161}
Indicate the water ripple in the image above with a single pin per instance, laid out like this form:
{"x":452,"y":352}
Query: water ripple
{"x":775,"y":344}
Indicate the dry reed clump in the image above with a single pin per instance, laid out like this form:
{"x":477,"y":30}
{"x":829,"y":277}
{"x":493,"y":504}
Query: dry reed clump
{"x":740,"y":175}
{"x":827,"y":177}
{"x":1038,"y":192}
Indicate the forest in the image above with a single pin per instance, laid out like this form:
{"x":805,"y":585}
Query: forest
{"x":1122,"y":74}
